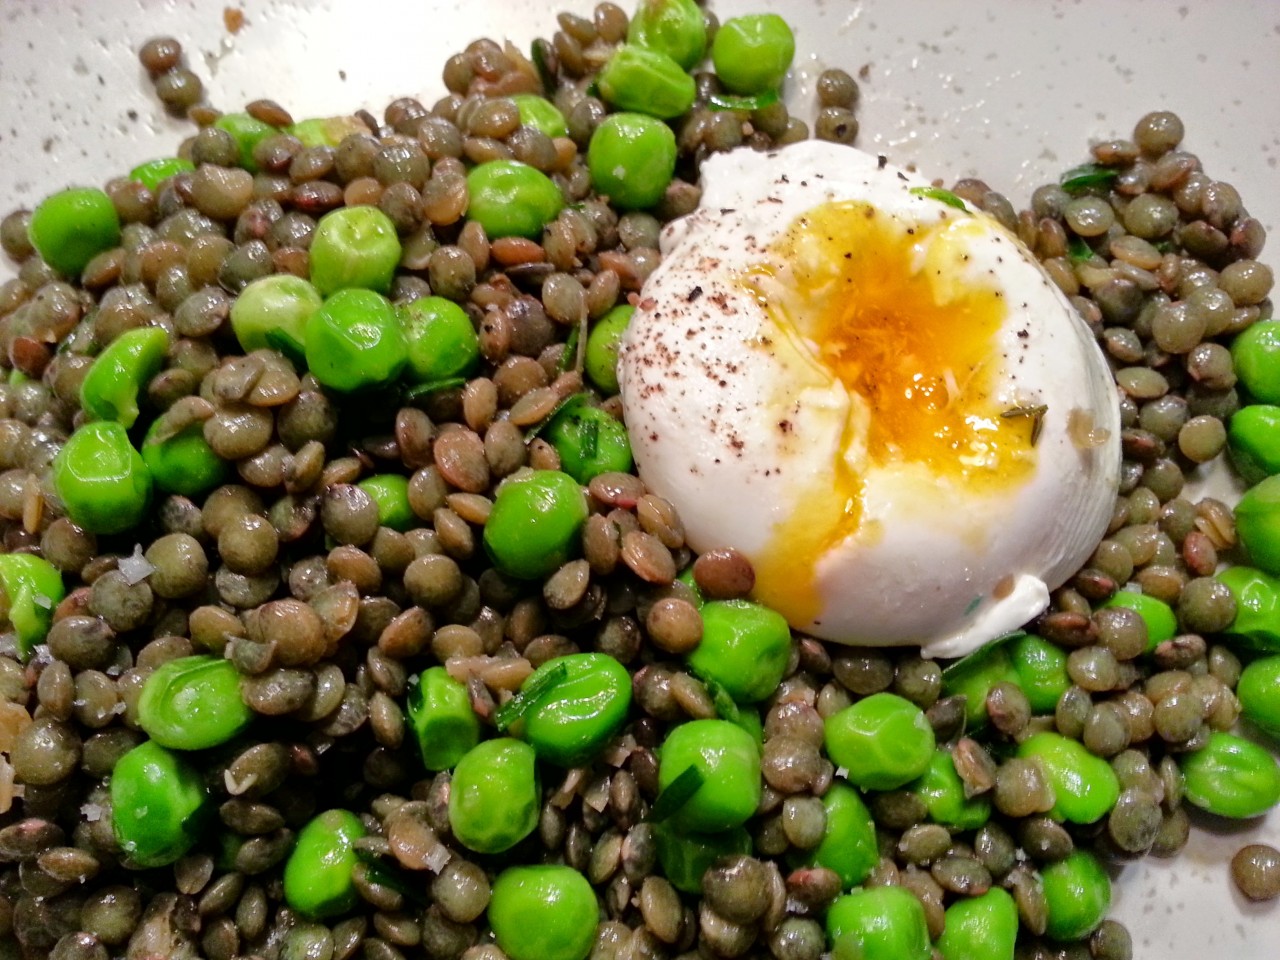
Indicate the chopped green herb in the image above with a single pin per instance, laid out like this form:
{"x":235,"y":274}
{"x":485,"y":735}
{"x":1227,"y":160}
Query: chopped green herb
{"x":730,"y":101}
{"x":1078,"y":250}
{"x":1086,"y":176}
{"x":435,"y":386}
{"x":515,"y":708}
{"x":1036,"y":412}
{"x":942,"y":196}
{"x":568,"y":357}
{"x":679,"y":792}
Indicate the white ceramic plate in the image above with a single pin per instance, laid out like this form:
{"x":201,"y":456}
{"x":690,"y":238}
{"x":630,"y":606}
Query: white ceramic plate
{"x":1011,"y":92}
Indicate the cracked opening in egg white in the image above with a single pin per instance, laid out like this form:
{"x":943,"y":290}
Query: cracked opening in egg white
{"x":881,"y":399}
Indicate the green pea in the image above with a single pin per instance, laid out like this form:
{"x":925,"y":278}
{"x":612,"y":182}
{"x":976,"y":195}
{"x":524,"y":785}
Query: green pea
{"x":247,"y":132}
{"x":512,"y":199}
{"x":271,"y":306}
{"x":442,"y":341}
{"x":326,"y":131}
{"x":973,"y":676}
{"x":1253,"y":441}
{"x":571,"y":722}
{"x":126,"y":365}
{"x":494,"y":798}
{"x":984,"y":926}
{"x":685,"y":857}
{"x":71,"y":227}
{"x":1258,"y":524}
{"x":1161,"y":621}
{"x":193,"y":703}
{"x":534,"y":525}
{"x":1084,"y":785}
{"x":155,"y":172}
{"x":883,"y":741}
{"x":753,"y":53}
{"x":942,"y":791}
{"x":673,"y":27}
{"x":1256,"y":355}
{"x":390,"y":491}
{"x":878,"y":923}
{"x":441,"y":717}
{"x":646,"y":81}
{"x":1231,"y":777}
{"x":159,"y":805}
{"x":541,"y":114}
{"x":729,"y":761}
{"x":1259,"y":694}
{"x":1257,"y":597}
{"x":745,"y":648}
{"x":589,"y":440}
{"x":1039,"y":670}
{"x":354,"y":341}
{"x":354,"y":247}
{"x":848,"y":845}
{"x":1077,"y":895}
{"x":30,"y":587}
{"x":543,"y":913}
{"x":101,"y":479}
{"x":318,"y":874}
{"x":632,"y":158}
{"x":183,"y":462}
{"x":603,"y":344}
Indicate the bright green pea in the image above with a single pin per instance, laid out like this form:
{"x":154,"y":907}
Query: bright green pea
{"x":354,"y":341}
{"x":30,"y":587}
{"x":753,"y":53}
{"x":574,"y":720}
{"x":354,"y":247}
{"x":1231,"y":777}
{"x":390,"y":491}
{"x":159,"y":805}
{"x":849,"y":844}
{"x":273,"y":305}
{"x":1077,"y":895}
{"x":1256,"y":355}
{"x":646,"y":81}
{"x":1039,"y":670}
{"x":973,"y":676}
{"x":603,"y":344}
{"x":883,"y":741}
{"x":1259,"y":694}
{"x":120,"y":372}
{"x":1161,"y":621}
{"x":442,"y":719}
{"x":1085,"y":786}
{"x":878,"y":923}
{"x":590,"y":441}
{"x":247,"y":132}
{"x":534,"y":524}
{"x":744,"y":648}
{"x":695,"y":592}
{"x":101,"y":479}
{"x":729,"y":761}
{"x":494,"y":798}
{"x":1257,"y":597}
{"x":512,"y":199}
{"x":317,"y":875}
{"x":632,"y":158}
{"x":1258,"y":524}
{"x":184,"y":462}
{"x":541,"y":114}
{"x":984,"y":926}
{"x":673,"y":27}
{"x":193,"y":703}
{"x":1253,"y":441}
{"x":71,"y":227}
{"x":326,"y":131}
{"x":442,"y":341}
{"x":942,"y":791}
{"x":685,"y":857}
{"x":155,"y":172}
{"x":543,"y":913}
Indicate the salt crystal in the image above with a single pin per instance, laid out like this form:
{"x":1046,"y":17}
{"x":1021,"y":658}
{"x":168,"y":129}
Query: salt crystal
{"x":438,"y":856}
{"x":135,"y":568}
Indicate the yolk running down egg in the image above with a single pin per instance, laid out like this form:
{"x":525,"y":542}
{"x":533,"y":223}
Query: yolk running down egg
{"x":880,"y":398}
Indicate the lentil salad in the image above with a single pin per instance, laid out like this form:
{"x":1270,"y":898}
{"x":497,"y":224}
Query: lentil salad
{"x":219,"y":543}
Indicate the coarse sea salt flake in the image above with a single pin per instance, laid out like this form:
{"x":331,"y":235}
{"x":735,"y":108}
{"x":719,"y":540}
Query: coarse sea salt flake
{"x":135,"y":568}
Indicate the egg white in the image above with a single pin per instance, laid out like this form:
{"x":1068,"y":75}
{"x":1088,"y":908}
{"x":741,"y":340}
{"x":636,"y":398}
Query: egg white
{"x":732,"y":419}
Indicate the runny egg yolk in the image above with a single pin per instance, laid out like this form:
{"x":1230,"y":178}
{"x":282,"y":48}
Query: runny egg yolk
{"x":889,"y":310}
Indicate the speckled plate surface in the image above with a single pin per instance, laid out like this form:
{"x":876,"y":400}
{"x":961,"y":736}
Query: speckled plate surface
{"x":1011,"y":92}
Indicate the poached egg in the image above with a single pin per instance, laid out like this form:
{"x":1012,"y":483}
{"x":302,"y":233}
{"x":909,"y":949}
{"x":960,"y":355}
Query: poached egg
{"x":875,"y":393}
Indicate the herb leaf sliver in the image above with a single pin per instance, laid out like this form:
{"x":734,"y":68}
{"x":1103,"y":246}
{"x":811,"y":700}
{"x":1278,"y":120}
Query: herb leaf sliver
{"x":515,"y":708}
{"x":679,"y":792}
{"x":730,"y":101}
{"x":1087,"y":175}
{"x":939,"y":194}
